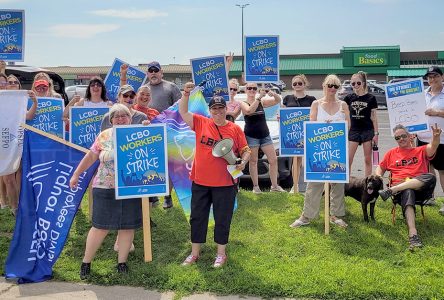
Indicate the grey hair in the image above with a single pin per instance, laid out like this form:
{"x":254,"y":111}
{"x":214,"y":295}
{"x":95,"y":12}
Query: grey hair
{"x":145,"y":86}
{"x":400,"y":127}
{"x":118,"y":108}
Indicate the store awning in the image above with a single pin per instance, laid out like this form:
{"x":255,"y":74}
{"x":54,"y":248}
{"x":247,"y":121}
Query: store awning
{"x":406,"y":72}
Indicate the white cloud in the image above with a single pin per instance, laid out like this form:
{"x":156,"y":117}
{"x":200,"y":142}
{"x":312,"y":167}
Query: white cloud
{"x":81,"y":31}
{"x":135,"y":14}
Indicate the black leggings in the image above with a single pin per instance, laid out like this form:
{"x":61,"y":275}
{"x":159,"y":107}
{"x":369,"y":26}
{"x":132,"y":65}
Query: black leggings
{"x":222,"y":199}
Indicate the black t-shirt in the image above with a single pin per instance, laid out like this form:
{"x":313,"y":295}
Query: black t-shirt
{"x":256,"y":123}
{"x":360,"y":110}
{"x":292,"y":101}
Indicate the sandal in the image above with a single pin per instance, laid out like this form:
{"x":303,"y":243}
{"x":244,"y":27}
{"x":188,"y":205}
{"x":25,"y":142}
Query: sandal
{"x":339,"y":222}
{"x":299,"y":223}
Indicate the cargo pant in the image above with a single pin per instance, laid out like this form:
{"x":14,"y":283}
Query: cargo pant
{"x":313,"y":196}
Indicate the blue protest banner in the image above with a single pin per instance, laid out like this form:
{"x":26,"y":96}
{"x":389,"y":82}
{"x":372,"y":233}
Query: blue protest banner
{"x":135,"y":78}
{"x":48,"y":116}
{"x":326,"y":152}
{"x":47,"y":207}
{"x":291,"y":130}
{"x":12,"y":35}
{"x":406,"y":105}
{"x":212,"y":71}
{"x":84,"y":125}
{"x":261,"y":58}
{"x":141,"y":162}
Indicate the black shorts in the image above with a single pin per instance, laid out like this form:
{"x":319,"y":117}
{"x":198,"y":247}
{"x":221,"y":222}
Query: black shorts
{"x":417,"y":197}
{"x":361,"y":136}
{"x":437,"y":161}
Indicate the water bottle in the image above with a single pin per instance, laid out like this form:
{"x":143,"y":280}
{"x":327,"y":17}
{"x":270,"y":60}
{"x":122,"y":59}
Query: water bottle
{"x":375,"y":154}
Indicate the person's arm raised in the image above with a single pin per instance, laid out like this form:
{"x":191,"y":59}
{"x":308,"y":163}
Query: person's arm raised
{"x":123,"y":72}
{"x":183,"y":104}
{"x":436,"y":137}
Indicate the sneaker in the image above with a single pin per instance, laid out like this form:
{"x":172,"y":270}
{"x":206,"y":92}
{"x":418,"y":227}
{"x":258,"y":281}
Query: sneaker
{"x":122,"y":268}
{"x":278,"y":189}
{"x":415,"y":241}
{"x":191,"y":259}
{"x":430,"y":202}
{"x":385,"y":194}
{"x":85,"y":270}
{"x":291,"y":190}
{"x":167,"y":202}
{"x":256,"y":190}
{"x":441,"y":210}
{"x":220,"y":261}
{"x":154,"y":201}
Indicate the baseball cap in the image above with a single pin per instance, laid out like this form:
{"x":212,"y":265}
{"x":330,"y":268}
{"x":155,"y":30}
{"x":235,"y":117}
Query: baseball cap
{"x":217,"y":101}
{"x":41,"y":82}
{"x":154,"y":64}
{"x":125,"y":89}
{"x":433,"y":70}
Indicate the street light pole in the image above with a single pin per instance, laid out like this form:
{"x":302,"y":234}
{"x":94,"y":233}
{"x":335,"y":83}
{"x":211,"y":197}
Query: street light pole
{"x":242,"y":6}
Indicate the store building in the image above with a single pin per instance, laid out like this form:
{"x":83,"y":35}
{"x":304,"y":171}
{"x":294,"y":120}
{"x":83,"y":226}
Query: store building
{"x":381,"y":63}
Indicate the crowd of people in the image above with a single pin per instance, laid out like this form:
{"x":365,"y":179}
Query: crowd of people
{"x":411,"y":182}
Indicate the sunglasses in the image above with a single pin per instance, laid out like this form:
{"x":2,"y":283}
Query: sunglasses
{"x":233,"y":89}
{"x":356,"y":83}
{"x":95,"y":84}
{"x":3,"y":83}
{"x":251,"y":88}
{"x":132,"y":96}
{"x":330,"y":86}
{"x":153,"y":70}
{"x":300,"y":83}
{"x":13,"y":82}
{"x":402,"y":136}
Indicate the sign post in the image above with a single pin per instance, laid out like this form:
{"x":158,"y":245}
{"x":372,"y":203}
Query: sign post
{"x":326,"y":157}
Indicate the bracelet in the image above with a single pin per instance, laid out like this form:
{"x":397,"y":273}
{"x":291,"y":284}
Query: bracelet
{"x":376,"y":132}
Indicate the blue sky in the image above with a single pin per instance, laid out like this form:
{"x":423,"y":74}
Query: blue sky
{"x":91,"y":33}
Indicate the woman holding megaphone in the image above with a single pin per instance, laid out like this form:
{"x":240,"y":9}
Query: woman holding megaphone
{"x":212,"y":183}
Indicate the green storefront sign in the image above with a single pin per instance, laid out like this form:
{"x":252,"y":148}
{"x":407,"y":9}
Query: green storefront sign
{"x":370,"y":59}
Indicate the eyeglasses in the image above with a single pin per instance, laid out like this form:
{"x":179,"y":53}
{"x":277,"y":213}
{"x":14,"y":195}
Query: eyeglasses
{"x":356,"y":83}
{"x":95,"y":84}
{"x":251,"y":88}
{"x":300,"y":83}
{"x":233,"y":89}
{"x":333,"y":86}
{"x":432,"y":76}
{"x":132,"y":96}
{"x":13,"y":82}
{"x":153,"y":70}
{"x":402,"y":136}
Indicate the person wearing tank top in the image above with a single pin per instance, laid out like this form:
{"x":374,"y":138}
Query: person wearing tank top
{"x":326,"y":109}
{"x":298,"y":99}
{"x":258,"y":135}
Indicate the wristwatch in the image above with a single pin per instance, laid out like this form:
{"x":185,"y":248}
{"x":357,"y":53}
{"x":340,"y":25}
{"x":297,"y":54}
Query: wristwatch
{"x":376,"y":132}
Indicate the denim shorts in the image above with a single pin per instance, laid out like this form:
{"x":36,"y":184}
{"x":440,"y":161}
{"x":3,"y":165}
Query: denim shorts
{"x":254,"y":143}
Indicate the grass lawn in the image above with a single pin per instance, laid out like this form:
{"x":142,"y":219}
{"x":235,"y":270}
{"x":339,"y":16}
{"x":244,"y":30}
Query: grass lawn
{"x":267,"y":258}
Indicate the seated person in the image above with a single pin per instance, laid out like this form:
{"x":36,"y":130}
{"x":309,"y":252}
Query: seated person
{"x":410,"y":181}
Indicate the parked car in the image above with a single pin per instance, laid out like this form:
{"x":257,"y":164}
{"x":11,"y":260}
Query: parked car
{"x":76,"y":89}
{"x":285,"y":178}
{"x":375,"y":89}
{"x":26,"y":76}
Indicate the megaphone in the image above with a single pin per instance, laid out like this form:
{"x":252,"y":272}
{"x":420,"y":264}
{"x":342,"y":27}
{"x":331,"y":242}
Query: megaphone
{"x":224,"y":149}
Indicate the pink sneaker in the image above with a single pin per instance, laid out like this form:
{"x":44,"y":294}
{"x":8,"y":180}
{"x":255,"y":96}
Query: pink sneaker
{"x":220,"y":261}
{"x":191,"y":259}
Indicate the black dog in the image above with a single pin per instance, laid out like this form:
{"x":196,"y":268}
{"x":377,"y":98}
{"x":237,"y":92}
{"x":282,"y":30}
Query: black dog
{"x":365,"y":190}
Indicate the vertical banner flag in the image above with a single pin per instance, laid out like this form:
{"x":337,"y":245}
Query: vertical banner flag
{"x":291,"y":130}
{"x":406,"y":105}
{"x":12,"y":35}
{"x":48,"y":116}
{"x":134,"y":76}
{"x":85,"y":124}
{"x":141,"y":165}
{"x":326,"y":152}
{"x":212,"y":71}
{"x":47,"y":207}
{"x":181,"y":145}
{"x":12,"y":115}
{"x":261,"y":58}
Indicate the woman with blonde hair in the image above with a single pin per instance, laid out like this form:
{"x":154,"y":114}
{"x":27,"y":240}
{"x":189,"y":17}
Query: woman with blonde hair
{"x":43,"y":86}
{"x":233,"y":106}
{"x":326,"y":109}
{"x":364,"y":123}
{"x":299,"y":98}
